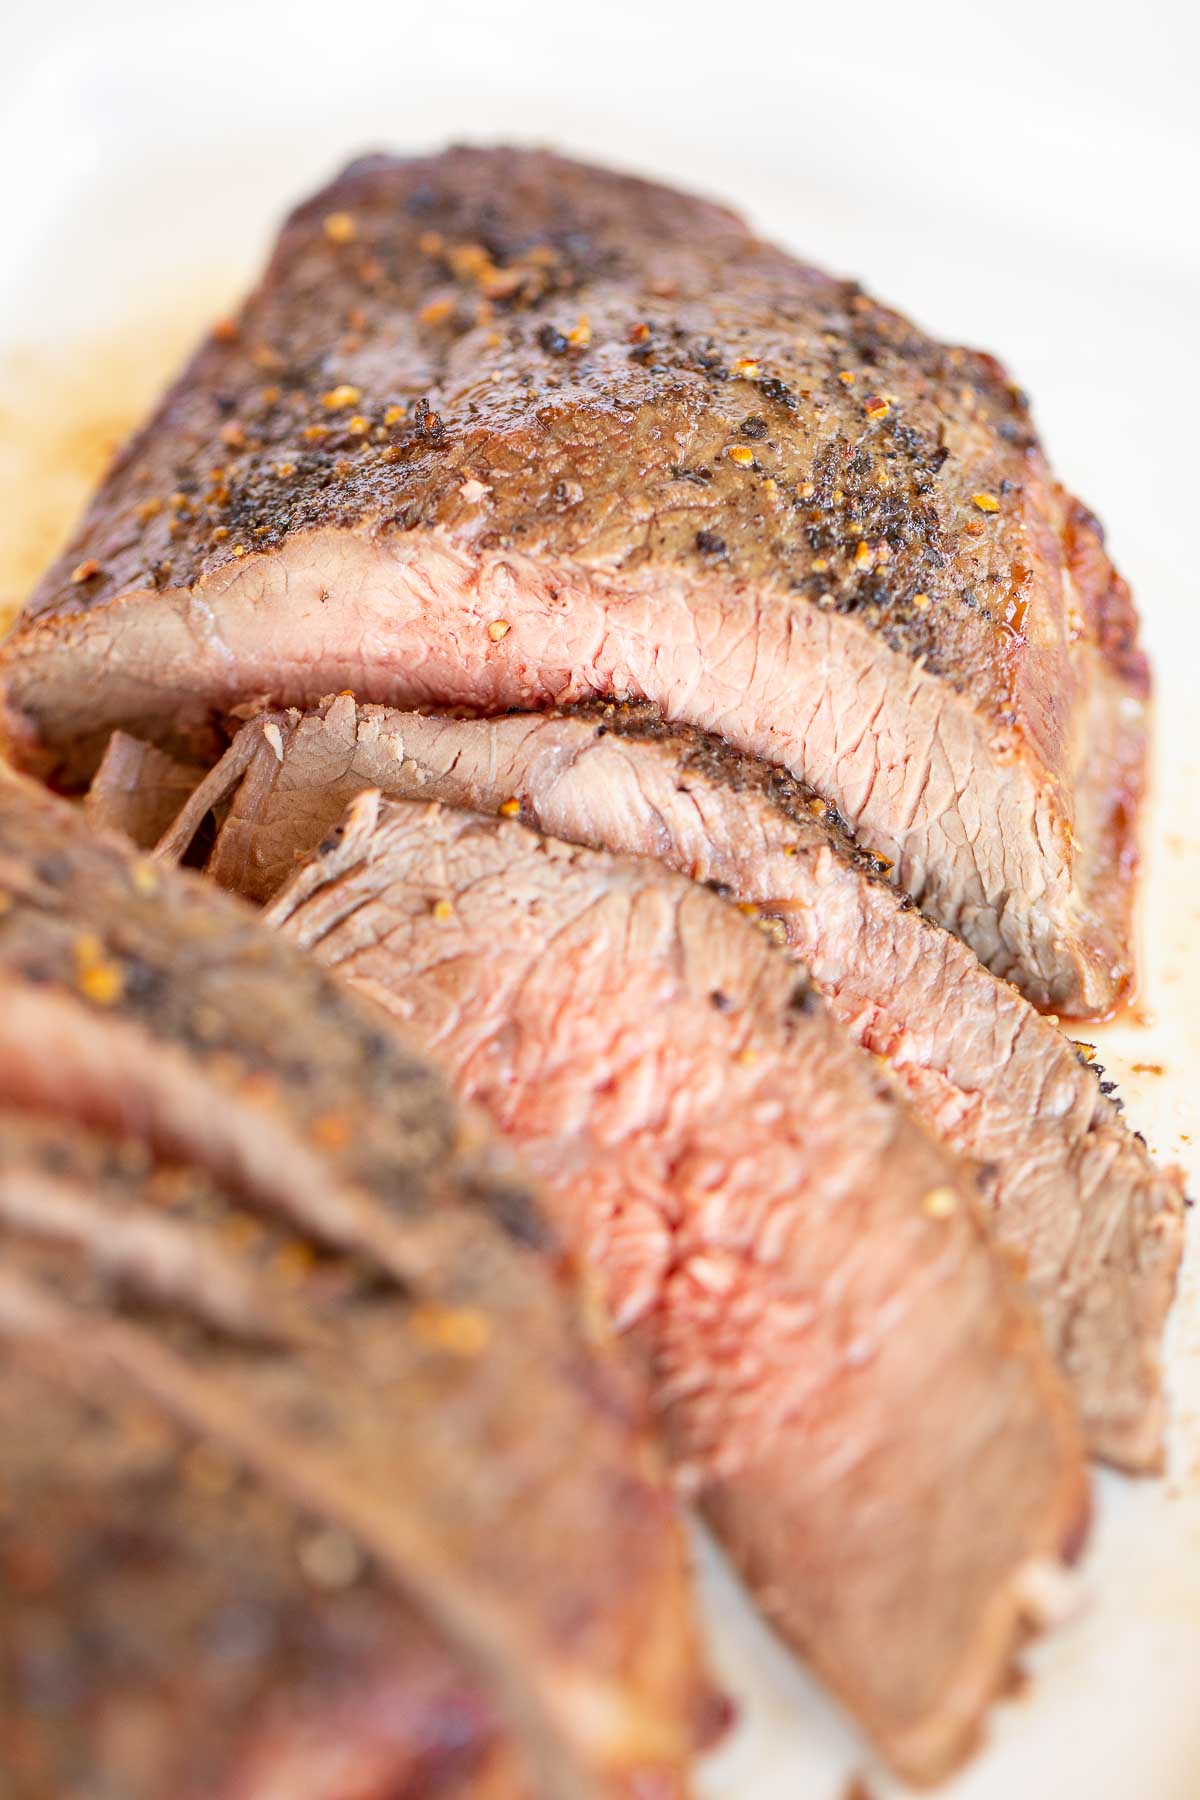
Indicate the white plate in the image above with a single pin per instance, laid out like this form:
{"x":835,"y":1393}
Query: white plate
{"x":990,"y":170}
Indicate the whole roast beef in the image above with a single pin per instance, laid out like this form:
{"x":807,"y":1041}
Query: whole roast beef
{"x":498,"y":429}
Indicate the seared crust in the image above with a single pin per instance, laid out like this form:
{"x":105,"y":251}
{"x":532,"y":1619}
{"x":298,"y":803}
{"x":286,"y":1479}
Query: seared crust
{"x":643,"y":428}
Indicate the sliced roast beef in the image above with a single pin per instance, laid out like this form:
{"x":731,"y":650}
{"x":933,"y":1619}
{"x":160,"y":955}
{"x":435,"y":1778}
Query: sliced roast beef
{"x":145,"y":1001}
{"x":177,"y":1623}
{"x":138,"y":789}
{"x":851,"y":1383}
{"x":501,"y":430}
{"x":1098,"y":1226}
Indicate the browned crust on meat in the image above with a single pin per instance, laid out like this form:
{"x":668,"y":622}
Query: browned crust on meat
{"x":432,"y":239}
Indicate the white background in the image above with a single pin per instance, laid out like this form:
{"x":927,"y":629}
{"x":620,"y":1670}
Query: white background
{"x":1021,"y":177}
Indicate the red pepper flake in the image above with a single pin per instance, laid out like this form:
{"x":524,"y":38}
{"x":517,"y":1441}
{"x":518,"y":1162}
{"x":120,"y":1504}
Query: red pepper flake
{"x":345,"y":394}
{"x":331,"y":1131}
{"x":742,"y":455}
{"x":510,"y":809}
{"x":436,"y":312}
{"x":395,"y":415}
{"x":459,"y":1329}
{"x":98,"y":978}
{"x":637,"y":334}
{"x":745,"y":367}
{"x":580,"y":335}
{"x":986,"y":503}
{"x":340,"y":228}
{"x":847,"y":377}
{"x":85,"y":571}
{"x":499,"y":628}
{"x":469,"y":261}
{"x":501,"y":284}
{"x":225,"y":331}
{"x":358,"y":426}
{"x":876,"y":407}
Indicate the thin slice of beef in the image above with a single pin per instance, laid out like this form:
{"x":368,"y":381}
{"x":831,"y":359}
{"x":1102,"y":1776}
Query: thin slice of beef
{"x":1068,"y":1187}
{"x":176,"y":1625}
{"x":851,"y":1383}
{"x":520,"y":431}
{"x":138,"y":790}
{"x":145,"y":1001}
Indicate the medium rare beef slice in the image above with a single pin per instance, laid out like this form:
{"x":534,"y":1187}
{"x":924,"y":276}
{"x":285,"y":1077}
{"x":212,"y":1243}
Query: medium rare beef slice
{"x":176,"y":1625}
{"x":850,"y":1382}
{"x":520,"y":431}
{"x":145,"y":1001}
{"x":1069,"y":1187}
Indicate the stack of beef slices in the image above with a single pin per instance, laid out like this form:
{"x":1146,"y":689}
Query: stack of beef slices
{"x":740,"y":735}
{"x":290,"y":1358}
